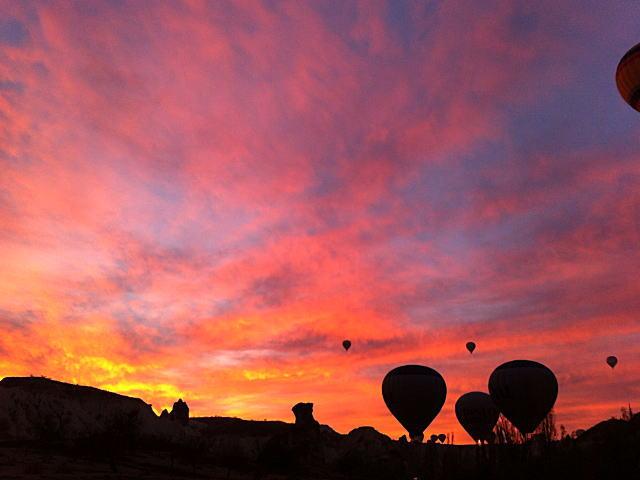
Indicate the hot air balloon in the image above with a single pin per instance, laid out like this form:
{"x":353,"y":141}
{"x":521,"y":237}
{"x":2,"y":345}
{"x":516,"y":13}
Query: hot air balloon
{"x":612,"y":361}
{"x":442,"y":437}
{"x":414,"y":394}
{"x":628,"y":77}
{"x":471,"y":346}
{"x":433,"y":438}
{"x":346,"y":344}
{"x":477,"y":414}
{"x":524,"y":391}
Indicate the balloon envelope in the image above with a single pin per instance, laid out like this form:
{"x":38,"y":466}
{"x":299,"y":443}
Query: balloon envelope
{"x":524,"y":391}
{"x":612,"y":361}
{"x":346,"y":344}
{"x":628,"y":77}
{"x":477,"y":414}
{"x":471,"y":346}
{"x":414,"y":394}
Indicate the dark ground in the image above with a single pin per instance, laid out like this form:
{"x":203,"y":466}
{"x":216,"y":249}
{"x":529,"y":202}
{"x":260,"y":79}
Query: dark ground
{"x":301,"y":455}
{"x":52,"y":430}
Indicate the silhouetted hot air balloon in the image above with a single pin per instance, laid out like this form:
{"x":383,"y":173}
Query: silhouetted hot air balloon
{"x":433,"y":438}
{"x":477,"y":414}
{"x":442,"y":437}
{"x":414,"y":394}
{"x":612,"y":361}
{"x":346,"y":344}
{"x":628,"y":77}
{"x":524,"y":391}
{"x":471,"y":346}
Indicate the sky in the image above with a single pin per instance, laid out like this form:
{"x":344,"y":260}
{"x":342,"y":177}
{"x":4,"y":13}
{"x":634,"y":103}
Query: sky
{"x":203,"y":199}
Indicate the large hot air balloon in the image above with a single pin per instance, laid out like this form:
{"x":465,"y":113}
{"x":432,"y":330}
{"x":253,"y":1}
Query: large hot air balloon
{"x":471,"y":346}
{"x":628,"y":77}
{"x":477,"y":414}
{"x":346,"y":344}
{"x":524,"y":391}
{"x":414,"y":394}
{"x":612,"y":361}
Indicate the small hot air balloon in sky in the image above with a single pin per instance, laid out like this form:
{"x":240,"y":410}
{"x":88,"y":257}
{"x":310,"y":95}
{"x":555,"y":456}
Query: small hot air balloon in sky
{"x":524,"y":391}
{"x":612,"y":361}
{"x":471,"y":346}
{"x":414,"y":394}
{"x":477,"y":414}
{"x":628,"y":77}
{"x":442,"y":437}
{"x":346,"y":344}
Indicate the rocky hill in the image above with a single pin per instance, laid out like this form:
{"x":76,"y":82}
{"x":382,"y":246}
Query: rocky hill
{"x":38,"y":408}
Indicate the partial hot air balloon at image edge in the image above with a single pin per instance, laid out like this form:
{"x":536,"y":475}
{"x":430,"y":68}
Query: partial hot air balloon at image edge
{"x":628,"y":77}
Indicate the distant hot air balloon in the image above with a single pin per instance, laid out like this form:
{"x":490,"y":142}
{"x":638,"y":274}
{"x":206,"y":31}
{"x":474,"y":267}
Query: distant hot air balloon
{"x":612,"y":361}
{"x":628,"y":77}
{"x":524,"y":391}
{"x":433,"y":438}
{"x":346,"y":344}
{"x":477,"y":414}
{"x":442,"y":437}
{"x":471,"y":346}
{"x":414,"y":394}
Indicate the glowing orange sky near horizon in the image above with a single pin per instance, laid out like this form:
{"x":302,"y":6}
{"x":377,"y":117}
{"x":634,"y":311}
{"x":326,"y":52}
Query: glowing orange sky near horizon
{"x":203,"y":199}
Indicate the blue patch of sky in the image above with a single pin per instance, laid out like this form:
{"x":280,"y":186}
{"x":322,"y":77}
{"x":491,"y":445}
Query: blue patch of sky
{"x":13,"y":33}
{"x":11,"y":86}
{"x":98,"y":9}
{"x":437,"y":312}
{"x":163,"y":203}
{"x":402,"y":22}
{"x":445,"y":188}
{"x":583,"y":116}
{"x":223,"y":306}
{"x":171,"y":200}
{"x":340,"y":18}
{"x":588,"y":111}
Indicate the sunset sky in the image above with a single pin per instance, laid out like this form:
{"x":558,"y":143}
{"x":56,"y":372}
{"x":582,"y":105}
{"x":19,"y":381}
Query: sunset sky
{"x":203,"y":199}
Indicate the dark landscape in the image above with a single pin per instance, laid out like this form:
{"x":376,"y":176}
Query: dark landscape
{"x":56,"y":430}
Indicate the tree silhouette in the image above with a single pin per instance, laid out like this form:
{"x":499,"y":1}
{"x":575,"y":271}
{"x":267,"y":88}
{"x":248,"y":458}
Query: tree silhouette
{"x":546,"y":431}
{"x":506,"y":433}
{"x":626,"y":413}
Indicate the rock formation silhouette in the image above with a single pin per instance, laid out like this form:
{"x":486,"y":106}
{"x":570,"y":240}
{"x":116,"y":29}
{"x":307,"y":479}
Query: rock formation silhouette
{"x":304,"y":415}
{"x":180,"y":412}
